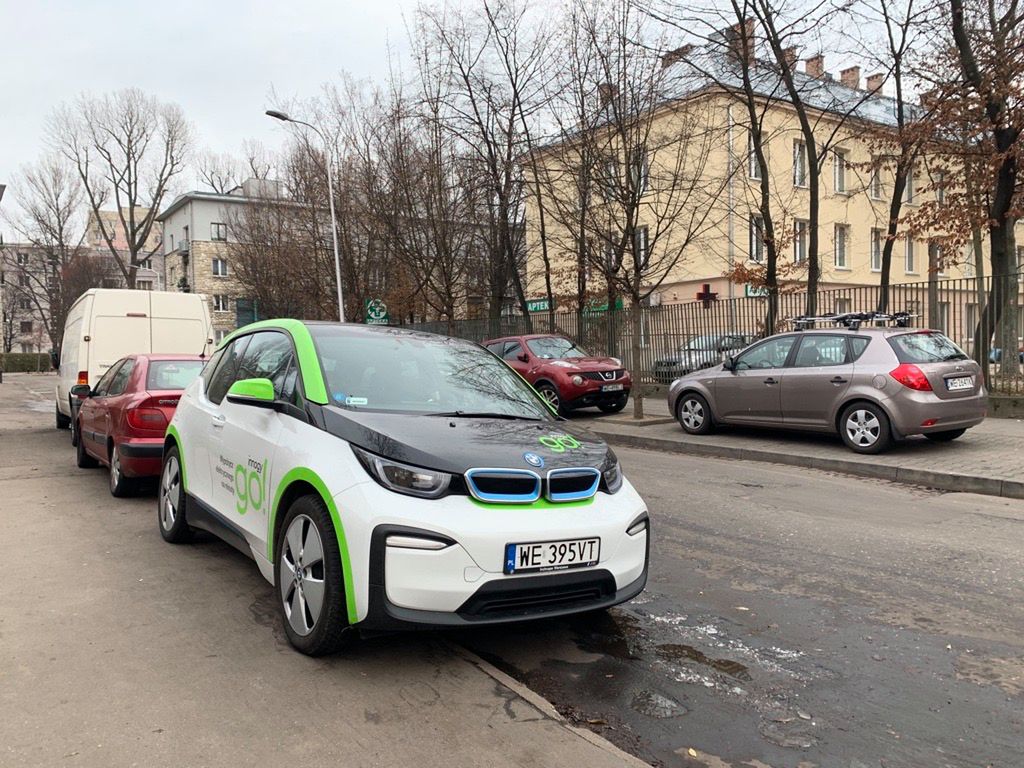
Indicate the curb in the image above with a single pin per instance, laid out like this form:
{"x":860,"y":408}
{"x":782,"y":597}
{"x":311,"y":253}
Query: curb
{"x":545,"y":707}
{"x":945,"y":481}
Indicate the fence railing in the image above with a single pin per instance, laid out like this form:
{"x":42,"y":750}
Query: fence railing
{"x":953,"y":306}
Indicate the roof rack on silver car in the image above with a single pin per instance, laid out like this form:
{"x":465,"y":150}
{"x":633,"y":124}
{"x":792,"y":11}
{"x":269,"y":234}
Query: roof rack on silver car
{"x":853,"y":320}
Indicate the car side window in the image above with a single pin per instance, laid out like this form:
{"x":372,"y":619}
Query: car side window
{"x":820,"y":349}
{"x":770,"y":354}
{"x":210,"y":367}
{"x":103,"y":385}
{"x":225,"y":373}
{"x":513,"y":349}
{"x":120,"y":380}
{"x":496,"y":347}
{"x":857,"y":346}
{"x":269,"y":356}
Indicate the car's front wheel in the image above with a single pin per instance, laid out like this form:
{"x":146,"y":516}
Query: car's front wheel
{"x":550,"y":394}
{"x":694,"y":414}
{"x":865,"y":428}
{"x":170,"y":501}
{"x":944,"y":437}
{"x":310,"y":582}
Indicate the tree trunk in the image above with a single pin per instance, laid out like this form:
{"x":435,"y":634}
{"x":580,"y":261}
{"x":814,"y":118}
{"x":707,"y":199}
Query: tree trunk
{"x":636,"y":317}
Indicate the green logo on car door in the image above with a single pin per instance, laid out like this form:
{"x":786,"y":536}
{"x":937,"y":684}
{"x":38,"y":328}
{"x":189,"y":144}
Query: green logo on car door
{"x":250,"y":486}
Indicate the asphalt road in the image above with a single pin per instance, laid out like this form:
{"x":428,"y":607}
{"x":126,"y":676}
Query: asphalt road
{"x":793,"y":618}
{"x":798,"y":618}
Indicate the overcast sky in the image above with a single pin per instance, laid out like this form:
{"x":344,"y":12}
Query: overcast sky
{"x":218,"y":59}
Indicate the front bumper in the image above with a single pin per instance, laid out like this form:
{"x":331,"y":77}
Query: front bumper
{"x":594,"y":397}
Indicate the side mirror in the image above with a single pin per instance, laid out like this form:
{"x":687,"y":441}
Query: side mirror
{"x":523,"y":357}
{"x":255,"y":392}
{"x":728,"y":362}
{"x":81,"y":391}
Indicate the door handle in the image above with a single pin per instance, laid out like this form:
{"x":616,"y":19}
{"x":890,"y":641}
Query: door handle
{"x":838,"y":380}
{"x":218,"y":421}
{"x":770,"y":380}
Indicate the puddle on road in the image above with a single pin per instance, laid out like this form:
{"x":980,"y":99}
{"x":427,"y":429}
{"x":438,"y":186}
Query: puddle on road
{"x":655,"y":705}
{"x":615,"y":634}
{"x":678,"y":652}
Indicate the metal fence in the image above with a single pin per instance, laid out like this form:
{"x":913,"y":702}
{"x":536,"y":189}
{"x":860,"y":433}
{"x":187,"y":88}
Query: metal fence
{"x":954,"y":307}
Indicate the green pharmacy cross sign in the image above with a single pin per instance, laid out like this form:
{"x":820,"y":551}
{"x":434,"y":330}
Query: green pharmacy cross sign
{"x":376,"y":312}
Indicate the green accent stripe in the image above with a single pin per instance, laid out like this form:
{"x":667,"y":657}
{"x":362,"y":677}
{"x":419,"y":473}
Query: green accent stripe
{"x":539,"y":504}
{"x":309,"y":363}
{"x":309,"y":476}
{"x":173,"y":432}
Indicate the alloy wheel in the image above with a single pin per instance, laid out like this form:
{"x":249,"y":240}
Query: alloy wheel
{"x":692,"y":414}
{"x":170,"y":485}
{"x":302,"y":575}
{"x":551,"y":396}
{"x":863,"y":428}
{"x":115,"y":468}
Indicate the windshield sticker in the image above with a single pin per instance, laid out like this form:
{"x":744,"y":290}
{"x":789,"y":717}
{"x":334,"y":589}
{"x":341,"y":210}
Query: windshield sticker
{"x":356,"y":401}
{"x":560,"y":443}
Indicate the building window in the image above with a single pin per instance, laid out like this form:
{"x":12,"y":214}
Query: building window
{"x":935,"y":260}
{"x":908,"y":190}
{"x":642,"y":251}
{"x":799,"y":164}
{"x":26,"y":326}
{"x":220,"y":267}
{"x":839,"y":170}
{"x":22,"y":259}
{"x":909,"y":266}
{"x":875,"y":185}
{"x":842,"y":238}
{"x":26,"y":348}
{"x":876,"y":250}
{"x":218,"y":232}
{"x":610,"y":171}
{"x":756,"y":239}
{"x":799,"y":241}
{"x":942,"y":321}
{"x":220,"y":303}
{"x":842,"y":306}
{"x":146,"y":264}
{"x":639,"y":171}
{"x":940,"y":187}
{"x":24,"y":304}
{"x":1020,"y":264}
{"x":218,"y":335}
{"x":144,"y":285}
{"x":753,"y":167}
{"x":23,"y":281}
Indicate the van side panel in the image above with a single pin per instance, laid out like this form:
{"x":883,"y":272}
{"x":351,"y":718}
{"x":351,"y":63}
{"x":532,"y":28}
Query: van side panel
{"x":74,"y":351}
{"x":119,"y":327}
{"x":181,"y":323}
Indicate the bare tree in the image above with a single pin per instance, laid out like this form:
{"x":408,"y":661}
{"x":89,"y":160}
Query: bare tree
{"x":127,"y":148}
{"x":220,"y":171}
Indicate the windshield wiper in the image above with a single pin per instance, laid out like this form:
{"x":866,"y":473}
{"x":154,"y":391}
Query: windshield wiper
{"x":954,"y":356}
{"x":484,"y":415}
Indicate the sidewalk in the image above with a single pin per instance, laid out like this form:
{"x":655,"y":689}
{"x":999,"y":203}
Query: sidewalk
{"x":989,"y":459}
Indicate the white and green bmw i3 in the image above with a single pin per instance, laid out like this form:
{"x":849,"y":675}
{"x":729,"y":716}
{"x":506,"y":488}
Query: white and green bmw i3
{"x":386,"y":479}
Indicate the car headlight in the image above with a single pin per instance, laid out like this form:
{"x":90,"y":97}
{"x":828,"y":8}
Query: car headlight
{"x":616,"y":361}
{"x":404,"y":478}
{"x":611,"y":475}
{"x":577,"y":380}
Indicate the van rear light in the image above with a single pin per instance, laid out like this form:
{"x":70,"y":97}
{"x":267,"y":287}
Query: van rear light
{"x":912,"y":377}
{"x":83,"y":377}
{"x":146,"y":418}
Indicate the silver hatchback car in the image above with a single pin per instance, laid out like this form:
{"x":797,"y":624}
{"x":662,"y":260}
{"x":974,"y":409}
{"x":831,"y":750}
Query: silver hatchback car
{"x":871,"y":385}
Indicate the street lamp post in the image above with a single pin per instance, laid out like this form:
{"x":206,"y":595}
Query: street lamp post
{"x":277,"y":115}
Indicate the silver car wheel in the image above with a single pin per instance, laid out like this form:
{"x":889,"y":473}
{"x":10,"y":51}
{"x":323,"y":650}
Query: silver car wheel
{"x":115,"y":468}
{"x":170,"y":484}
{"x":863,"y":428}
{"x":692,"y":414}
{"x":551,"y":396}
{"x":302,"y":575}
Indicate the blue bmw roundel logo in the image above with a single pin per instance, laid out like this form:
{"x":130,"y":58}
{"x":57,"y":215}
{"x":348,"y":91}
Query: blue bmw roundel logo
{"x":533,"y":459}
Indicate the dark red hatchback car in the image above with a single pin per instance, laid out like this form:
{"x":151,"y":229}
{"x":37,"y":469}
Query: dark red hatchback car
{"x":565,"y":375}
{"x":122,"y":420}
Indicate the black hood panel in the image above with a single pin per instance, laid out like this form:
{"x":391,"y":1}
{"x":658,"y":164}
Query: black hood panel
{"x":457,"y":444}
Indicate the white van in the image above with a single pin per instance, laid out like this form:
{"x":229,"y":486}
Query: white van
{"x":104,"y":325}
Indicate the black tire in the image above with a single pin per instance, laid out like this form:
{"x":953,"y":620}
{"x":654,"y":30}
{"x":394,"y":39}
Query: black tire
{"x":120,"y":486}
{"x":173,"y":523}
{"x":63,"y":422}
{"x":74,"y":426}
{"x":694,"y":414}
{"x":83,"y":459}
{"x":865,"y":428}
{"x":944,"y":437}
{"x":614,"y":407}
{"x":329,"y":631}
{"x":549,"y":393}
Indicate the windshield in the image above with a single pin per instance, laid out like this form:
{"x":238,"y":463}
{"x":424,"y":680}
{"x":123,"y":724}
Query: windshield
{"x":925,"y":347}
{"x":554,"y":348}
{"x":400,"y":372}
{"x":700,"y":342}
{"x":172,"y":374}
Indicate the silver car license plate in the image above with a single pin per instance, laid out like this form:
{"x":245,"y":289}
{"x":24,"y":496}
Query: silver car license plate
{"x":959,"y":383}
{"x":552,"y":555}
{"x":611,"y":388}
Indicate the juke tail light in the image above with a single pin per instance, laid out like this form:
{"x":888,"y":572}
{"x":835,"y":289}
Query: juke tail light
{"x":912,"y":377}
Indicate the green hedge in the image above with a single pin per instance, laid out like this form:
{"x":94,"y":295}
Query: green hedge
{"x":17,"y":362}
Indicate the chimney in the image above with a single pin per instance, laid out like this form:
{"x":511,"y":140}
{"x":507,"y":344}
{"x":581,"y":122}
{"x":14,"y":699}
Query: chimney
{"x":673,"y":56}
{"x":605,"y":93}
{"x":789,"y":55}
{"x":740,"y":41}
{"x":850,"y":77}
{"x":815,"y":66}
{"x":875,"y":82}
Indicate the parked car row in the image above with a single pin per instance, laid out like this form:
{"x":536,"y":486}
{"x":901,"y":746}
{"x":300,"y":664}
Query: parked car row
{"x":380,"y":479}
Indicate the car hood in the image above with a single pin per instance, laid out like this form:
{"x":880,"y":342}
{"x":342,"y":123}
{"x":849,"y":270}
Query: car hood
{"x":583,"y":364}
{"x":455,"y":444}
